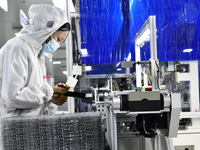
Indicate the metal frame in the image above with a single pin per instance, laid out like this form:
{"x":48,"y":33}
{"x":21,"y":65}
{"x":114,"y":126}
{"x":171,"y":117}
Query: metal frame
{"x":150,"y":24}
{"x":102,"y":76}
{"x":144,"y":144}
{"x":192,"y":76}
{"x":189,"y":138}
{"x":69,"y":60}
{"x":111,"y":128}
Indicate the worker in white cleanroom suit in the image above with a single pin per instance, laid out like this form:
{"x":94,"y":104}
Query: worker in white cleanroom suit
{"x":23,"y":84}
{"x":24,"y":90}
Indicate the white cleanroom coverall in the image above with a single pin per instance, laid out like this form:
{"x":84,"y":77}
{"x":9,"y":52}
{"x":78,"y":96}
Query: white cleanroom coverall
{"x":23,"y":91}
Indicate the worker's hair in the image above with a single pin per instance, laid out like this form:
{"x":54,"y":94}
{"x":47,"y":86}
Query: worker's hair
{"x":65,"y":27}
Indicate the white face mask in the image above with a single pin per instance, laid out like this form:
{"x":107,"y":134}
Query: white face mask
{"x":50,"y":47}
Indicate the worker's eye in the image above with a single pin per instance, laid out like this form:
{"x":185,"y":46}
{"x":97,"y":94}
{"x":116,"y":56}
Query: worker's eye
{"x":60,"y":40}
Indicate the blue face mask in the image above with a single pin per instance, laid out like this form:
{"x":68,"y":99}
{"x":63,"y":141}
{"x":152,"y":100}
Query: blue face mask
{"x":50,"y":47}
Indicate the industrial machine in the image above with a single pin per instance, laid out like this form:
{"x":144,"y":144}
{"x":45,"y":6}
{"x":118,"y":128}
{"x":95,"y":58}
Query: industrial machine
{"x":144,"y":116}
{"x":134,"y":118}
{"x":157,"y":109}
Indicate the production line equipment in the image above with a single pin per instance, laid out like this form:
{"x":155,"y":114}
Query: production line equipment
{"x":144,"y":118}
{"x":141,"y":120}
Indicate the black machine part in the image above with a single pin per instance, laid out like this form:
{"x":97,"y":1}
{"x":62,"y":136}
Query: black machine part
{"x":148,"y":123}
{"x":144,"y":103}
{"x":75,"y":94}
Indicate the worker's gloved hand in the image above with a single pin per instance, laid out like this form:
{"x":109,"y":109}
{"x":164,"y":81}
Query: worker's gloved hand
{"x":59,"y":89}
{"x":58,"y":97}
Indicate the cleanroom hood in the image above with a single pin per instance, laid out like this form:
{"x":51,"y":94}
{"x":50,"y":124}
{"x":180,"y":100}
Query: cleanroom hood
{"x":44,"y":20}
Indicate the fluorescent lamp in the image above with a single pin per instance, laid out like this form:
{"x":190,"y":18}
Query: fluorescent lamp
{"x":4,"y":4}
{"x":84,"y":51}
{"x":88,"y":68}
{"x":129,"y":57}
{"x":144,"y":37}
{"x":119,"y":69}
{"x":65,"y":72}
{"x":56,"y":62}
{"x":187,"y":50}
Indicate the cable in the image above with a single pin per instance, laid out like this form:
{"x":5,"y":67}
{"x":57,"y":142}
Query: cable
{"x":147,"y":132}
{"x":158,"y":74}
{"x":76,"y":47}
{"x":144,"y":125}
{"x":154,"y":65}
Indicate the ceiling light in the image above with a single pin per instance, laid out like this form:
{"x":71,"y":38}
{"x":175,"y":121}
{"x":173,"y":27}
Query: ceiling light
{"x":56,"y":62}
{"x":119,"y":69}
{"x":187,"y":50}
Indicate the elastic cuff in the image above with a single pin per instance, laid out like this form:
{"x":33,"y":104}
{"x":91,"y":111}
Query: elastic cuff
{"x":49,"y":90}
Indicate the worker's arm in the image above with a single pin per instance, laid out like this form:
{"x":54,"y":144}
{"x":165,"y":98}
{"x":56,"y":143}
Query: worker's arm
{"x":18,"y":91}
